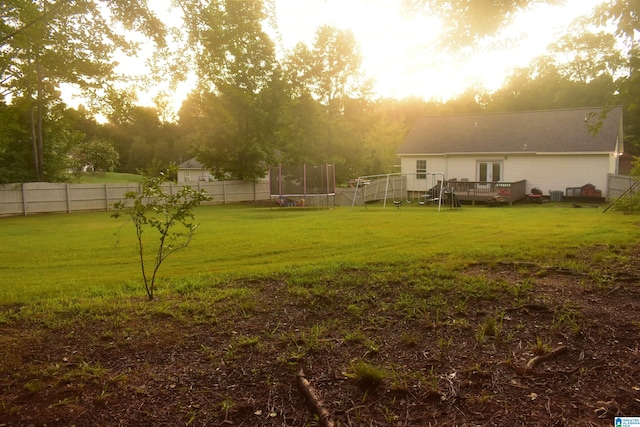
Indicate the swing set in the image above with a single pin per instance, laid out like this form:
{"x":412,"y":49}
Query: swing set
{"x":428,"y":187}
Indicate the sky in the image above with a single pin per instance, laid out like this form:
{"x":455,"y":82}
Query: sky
{"x":398,"y":50}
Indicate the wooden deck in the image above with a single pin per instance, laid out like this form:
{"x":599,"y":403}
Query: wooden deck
{"x":485,"y":192}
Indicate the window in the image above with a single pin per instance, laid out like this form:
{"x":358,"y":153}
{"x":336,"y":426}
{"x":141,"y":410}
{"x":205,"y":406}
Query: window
{"x":187,"y":176}
{"x":421,"y":169}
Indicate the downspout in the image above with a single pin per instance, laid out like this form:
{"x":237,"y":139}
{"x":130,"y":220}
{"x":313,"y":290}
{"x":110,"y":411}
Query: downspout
{"x":618,"y":154}
{"x":446,"y":164}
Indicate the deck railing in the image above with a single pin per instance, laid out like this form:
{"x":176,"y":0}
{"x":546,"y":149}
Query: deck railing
{"x":486,"y":191}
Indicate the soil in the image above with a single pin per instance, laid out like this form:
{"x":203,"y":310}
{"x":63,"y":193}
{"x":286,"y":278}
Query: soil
{"x":237,"y":364}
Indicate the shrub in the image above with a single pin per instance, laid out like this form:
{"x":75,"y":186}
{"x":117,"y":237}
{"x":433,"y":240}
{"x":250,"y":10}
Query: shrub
{"x":170,"y":215}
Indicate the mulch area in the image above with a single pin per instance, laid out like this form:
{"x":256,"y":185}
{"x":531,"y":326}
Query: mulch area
{"x":238,"y":366}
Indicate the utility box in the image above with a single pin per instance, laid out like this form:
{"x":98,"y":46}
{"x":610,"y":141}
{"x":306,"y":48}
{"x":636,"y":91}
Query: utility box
{"x":556,"y":196}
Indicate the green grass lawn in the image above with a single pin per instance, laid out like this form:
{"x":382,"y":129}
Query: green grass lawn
{"x":108,"y":177}
{"x":399,"y":317}
{"x":75,"y":255}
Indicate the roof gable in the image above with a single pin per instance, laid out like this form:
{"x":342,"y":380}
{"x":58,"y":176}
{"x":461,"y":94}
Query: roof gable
{"x":192,"y":163}
{"x":531,"y":131}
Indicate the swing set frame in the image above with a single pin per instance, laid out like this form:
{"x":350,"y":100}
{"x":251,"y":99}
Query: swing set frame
{"x":381,"y":187}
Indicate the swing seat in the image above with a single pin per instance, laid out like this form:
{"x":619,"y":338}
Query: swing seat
{"x":398,"y":203}
{"x":369,"y":202}
{"x":428,"y":199}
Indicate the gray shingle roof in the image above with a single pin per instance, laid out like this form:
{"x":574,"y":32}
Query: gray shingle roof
{"x":533,"y":131}
{"x":191,"y":164}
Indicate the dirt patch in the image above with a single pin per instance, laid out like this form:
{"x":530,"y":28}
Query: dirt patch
{"x":445,"y":350}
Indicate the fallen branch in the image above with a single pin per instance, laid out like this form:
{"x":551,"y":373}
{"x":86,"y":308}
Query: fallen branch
{"x":554,"y":353}
{"x":616,"y":289}
{"x":313,"y":400}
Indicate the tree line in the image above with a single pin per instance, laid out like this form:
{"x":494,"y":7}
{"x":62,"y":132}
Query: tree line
{"x":254,"y":105}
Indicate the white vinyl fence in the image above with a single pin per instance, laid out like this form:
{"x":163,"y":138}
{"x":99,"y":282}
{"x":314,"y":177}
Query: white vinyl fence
{"x":44,"y":197}
{"x":618,"y":185}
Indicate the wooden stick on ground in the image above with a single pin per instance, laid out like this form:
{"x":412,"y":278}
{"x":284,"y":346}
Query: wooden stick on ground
{"x":313,"y":400}
{"x":555,"y":352}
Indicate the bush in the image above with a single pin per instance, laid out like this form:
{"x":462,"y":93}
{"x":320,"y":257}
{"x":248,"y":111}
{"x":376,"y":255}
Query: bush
{"x":628,"y":203}
{"x":170,"y":215}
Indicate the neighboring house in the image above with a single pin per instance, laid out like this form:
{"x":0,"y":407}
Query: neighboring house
{"x":193,"y":171}
{"x":551,"y":150}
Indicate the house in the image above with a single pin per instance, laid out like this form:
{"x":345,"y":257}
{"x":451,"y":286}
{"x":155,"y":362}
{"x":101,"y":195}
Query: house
{"x":508,"y":154}
{"x":193,"y":171}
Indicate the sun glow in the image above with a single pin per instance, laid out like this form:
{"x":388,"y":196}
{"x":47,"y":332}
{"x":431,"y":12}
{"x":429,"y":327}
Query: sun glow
{"x":400,"y":53}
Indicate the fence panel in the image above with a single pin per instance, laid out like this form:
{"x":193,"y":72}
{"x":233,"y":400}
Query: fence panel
{"x":618,"y":184}
{"x":215,"y":190}
{"x":88,"y":197}
{"x":116,"y":192}
{"x":11,"y":200}
{"x":44,"y":197}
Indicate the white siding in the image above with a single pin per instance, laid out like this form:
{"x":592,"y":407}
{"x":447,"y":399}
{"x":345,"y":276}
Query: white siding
{"x":548,"y":172}
{"x":614,"y":159}
{"x":435,"y":164}
{"x":194,"y":175}
{"x":557,"y":172}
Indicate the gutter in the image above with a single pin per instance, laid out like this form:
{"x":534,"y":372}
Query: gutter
{"x":507,"y":153}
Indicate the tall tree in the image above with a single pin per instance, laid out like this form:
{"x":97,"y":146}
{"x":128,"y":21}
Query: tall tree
{"x":469,"y":21}
{"x":547,"y":83}
{"x":15,"y":154}
{"x":100,"y":155}
{"x":583,"y":55}
{"x":625,"y":17}
{"x":330,"y":70}
{"x":48,"y":42}
{"x":142,"y":140}
{"x":239,"y":90}
{"x":330,"y":99}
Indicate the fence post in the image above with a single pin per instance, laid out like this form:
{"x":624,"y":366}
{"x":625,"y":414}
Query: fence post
{"x":106,"y":196}
{"x":24,"y":200}
{"x":224,"y":193}
{"x":66,"y":189}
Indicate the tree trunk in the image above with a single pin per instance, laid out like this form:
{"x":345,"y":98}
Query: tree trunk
{"x":40,"y":133}
{"x":36,"y":166}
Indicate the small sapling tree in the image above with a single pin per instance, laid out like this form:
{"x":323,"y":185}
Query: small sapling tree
{"x":171,"y":215}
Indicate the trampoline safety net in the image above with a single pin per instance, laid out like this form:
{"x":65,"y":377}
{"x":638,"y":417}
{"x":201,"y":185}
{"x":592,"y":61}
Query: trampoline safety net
{"x":302,"y":180}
